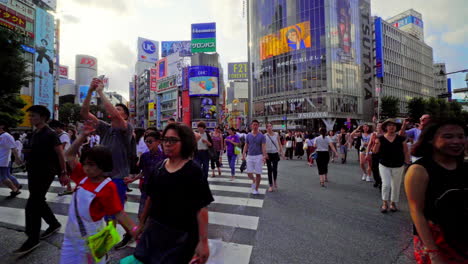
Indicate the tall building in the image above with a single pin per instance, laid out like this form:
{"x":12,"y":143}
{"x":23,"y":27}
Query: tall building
{"x":311,"y":62}
{"x":410,"y":22}
{"x":142,"y":99}
{"x":405,"y":64}
{"x":440,"y":79}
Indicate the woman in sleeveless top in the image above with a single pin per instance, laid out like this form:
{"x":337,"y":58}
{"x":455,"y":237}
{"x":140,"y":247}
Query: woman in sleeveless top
{"x":394,"y":154}
{"x":333,"y":139}
{"x":437,"y":189}
{"x":274,"y":150}
{"x":364,"y":161}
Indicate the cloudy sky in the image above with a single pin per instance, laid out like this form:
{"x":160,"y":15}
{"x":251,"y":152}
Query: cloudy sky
{"x":108,"y":30}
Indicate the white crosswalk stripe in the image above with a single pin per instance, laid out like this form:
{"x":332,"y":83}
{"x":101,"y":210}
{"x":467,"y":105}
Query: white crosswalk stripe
{"x":234,"y":208}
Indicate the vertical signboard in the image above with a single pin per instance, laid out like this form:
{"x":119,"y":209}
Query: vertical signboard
{"x":379,"y":56}
{"x":148,"y":50}
{"x":367,"y":68}
{"x":153,"y":81}
{"x":203,"y":37}
{"x":161,"y":68}
{"x":44,"y":64}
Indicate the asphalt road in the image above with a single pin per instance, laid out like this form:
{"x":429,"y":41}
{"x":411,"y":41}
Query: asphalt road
{"x":302,"y":223}
{"x":305,"y":223}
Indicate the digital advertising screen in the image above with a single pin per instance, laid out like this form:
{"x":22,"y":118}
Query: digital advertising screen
{"x":295,"y":37}
{"x":345,"y":31}
{"x":208,"y":109}
{"x":203,"y":80}
{"x":170,"y":47}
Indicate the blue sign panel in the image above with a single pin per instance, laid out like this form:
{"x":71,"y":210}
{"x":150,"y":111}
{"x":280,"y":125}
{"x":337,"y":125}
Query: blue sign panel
{"x":203,"y":30}
{"x":28,"y":49}
{"x":203,"y":80}
{"x":183,"y":47}
{"x":379,"y":57}
{"x":409,"y":20}
{"x":44,"y":58}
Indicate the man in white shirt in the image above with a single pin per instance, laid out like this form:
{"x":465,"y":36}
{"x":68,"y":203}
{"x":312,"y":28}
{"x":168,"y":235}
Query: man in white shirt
{"x":7,"y":146}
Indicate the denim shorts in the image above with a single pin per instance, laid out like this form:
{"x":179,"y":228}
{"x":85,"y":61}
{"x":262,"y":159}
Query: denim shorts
{"x":4,"y":173}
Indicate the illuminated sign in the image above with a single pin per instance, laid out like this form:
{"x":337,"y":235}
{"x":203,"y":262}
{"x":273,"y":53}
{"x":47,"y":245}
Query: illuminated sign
{"x":203,"y":80}
{"x":379,"y":56}
{"x":295,"y":37}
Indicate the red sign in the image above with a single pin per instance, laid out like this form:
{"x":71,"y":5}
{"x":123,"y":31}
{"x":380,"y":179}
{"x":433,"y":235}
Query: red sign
{"x":12,"y":16}
{"x":88,"y":61}
{"x":153,"y":79}
{"x":63,"y":71}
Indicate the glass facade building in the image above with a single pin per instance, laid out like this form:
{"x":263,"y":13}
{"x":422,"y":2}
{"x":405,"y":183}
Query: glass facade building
{"x":306,"y":59}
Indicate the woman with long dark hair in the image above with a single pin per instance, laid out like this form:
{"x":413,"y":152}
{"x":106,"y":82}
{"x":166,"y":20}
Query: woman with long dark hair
{"x":365,"y":131}
{"x":322,"y":143}
{"x":175,"y":214}
{"x":437,"y":189}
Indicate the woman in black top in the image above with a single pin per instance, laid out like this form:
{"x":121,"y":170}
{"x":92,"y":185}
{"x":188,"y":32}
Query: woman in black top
{"x":393,"y":153}
{"x":178,"y":195}
{"x":437,"y":189}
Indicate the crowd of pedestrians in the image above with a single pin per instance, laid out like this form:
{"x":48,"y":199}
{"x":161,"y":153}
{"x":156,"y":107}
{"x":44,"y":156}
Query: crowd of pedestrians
{"x":172,"y":167}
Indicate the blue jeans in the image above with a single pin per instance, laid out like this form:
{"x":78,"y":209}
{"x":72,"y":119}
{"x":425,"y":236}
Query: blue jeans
{"x":232,"y":163}
{"x":203,"y":160}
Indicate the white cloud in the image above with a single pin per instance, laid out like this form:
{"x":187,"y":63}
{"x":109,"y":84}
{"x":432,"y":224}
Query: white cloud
{"x":458,"y":37}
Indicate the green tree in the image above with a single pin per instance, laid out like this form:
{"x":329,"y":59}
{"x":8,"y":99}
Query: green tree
{"x":433,"y":107}
{"x":13,"y":76}
{"x":416,"y":108}
{"x":389,"y":107}
{"x":69,"y":113}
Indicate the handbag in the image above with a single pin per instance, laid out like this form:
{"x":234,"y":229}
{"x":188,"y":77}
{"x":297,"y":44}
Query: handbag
{"x":101,"y":242}
{"x":243,"y":166}
{"x":160,"y":244}
{"x":237,"y":150}
{"x":288,"y":144}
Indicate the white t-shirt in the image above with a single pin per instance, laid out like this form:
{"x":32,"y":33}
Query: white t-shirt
{"x":65,"y":138}
{"x":7,"y":142}
{"x":141,"y":147}
{"x":321,"y":143}
{"x":200,"y":144}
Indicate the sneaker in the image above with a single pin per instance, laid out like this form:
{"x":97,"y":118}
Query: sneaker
{"x":50,"y":231}
{"x":368,"y":179}
{"x":253,"y":186}
{"x":27,"y":247}
{"x":363,"y":177}
{"x":14,"y":194}
{"x":255,"y":192}
{"x":127,"y":239}
{"x":129,"y":190}
{"x":66,"y":192}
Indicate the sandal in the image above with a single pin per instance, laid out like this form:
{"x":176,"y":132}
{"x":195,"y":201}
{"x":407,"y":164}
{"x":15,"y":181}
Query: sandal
{"x":393,"y":208}
{"x":270,"y":189}
{"x":384,"y":209}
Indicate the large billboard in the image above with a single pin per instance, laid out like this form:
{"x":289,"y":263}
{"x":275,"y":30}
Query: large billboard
{"x":170,"y":47}
{"x":345,"y":22}
{"x":148,"y":50}
{"x":295,"y":37}
{"x":238,"y":71}
{"x":18,"y":17}
{"x":203,"y":80}
{"x":86,"y":62}
{"x":203,"y":37}
{"x":63,"y":71}
{"x":409,"y":20}
{"x":44,"y":60}
{"x":379,"y":56}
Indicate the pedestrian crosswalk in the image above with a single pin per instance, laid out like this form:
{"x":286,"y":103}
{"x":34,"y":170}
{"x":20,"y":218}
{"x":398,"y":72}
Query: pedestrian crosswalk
{"x":233,"y":216}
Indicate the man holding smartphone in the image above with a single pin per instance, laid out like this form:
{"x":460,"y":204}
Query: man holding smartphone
{"x":117,"y":136}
